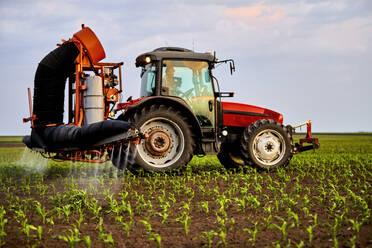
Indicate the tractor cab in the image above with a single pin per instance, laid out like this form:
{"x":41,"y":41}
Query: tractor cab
{"x":184,"y":74}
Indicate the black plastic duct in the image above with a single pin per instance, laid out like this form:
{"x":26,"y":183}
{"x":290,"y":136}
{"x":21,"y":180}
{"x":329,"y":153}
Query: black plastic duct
{"x":49,"y":84}
{"x":67,"y":136}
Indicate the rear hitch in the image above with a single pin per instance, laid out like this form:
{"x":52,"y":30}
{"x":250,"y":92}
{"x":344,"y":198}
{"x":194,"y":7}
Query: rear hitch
{"x":309,"y":139}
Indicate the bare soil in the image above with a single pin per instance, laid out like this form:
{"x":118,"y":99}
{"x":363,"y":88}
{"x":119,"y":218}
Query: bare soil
{"x":172,"y":232}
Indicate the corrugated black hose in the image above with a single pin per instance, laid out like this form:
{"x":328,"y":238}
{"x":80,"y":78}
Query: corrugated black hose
{"x":49,"y":84}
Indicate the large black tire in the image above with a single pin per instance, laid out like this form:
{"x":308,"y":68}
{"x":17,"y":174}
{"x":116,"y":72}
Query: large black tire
{"x":170,"y":144}
{"x":267,"y":144}
{"x":230,"y":156}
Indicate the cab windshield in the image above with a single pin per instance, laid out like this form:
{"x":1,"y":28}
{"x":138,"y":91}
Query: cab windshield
{"x":191,"y":81}
{"x":148,"y":80}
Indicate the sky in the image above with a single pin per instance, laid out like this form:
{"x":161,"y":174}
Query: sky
{"x":309,"y":60}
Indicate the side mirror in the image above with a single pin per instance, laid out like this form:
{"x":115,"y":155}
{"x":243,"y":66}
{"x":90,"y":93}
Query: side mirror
{"x":224,"y":94}
{"x":232,"y":67}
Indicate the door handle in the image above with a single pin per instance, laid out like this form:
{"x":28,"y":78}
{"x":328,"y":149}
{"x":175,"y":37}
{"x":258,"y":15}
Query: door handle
{"x":210,"y":104}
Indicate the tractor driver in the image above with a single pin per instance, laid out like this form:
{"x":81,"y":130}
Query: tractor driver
{"x":171,"y":83}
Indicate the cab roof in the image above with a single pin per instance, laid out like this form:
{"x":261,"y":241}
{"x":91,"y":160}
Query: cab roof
{"x":173,"y":53}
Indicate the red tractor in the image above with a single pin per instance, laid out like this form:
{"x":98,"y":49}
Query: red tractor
{"x":180,"y":112}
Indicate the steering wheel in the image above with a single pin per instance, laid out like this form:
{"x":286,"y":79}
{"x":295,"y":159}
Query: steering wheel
{"x":187,"y":93}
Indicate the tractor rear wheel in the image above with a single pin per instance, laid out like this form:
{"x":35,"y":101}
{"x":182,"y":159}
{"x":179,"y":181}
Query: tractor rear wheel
{"x":267,"y":144}
{"x":230,"y":156}
{"x":170,"y":143}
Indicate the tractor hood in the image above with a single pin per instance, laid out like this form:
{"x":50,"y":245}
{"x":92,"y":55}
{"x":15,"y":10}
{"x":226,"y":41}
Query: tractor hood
{"x":243,"y":115}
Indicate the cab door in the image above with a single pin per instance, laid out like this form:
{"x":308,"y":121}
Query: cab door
{"x":190,"y":80}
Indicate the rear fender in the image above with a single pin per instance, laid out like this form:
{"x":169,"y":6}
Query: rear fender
{"x":176,"y":103}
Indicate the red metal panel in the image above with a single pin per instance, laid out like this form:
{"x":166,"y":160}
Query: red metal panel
{"x":243,"y":115}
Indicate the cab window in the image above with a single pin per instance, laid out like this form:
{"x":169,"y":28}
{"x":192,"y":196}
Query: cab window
{"x":190,"y":81}
{"x":148,"y":76}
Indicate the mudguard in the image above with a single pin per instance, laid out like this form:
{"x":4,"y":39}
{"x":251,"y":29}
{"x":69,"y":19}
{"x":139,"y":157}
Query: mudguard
{"x":177,"y":103}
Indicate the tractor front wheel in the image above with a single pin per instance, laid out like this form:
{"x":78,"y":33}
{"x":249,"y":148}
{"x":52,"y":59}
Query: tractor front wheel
{"x":170,"y":143}
{"x":267,"y":144}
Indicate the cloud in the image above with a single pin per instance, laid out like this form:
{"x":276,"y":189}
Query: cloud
{"x":256,"y":13}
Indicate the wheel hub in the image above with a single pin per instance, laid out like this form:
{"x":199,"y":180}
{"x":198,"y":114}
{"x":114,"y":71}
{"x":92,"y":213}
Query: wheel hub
{"x":165,"y":143}
{"x":268,"y":147}
{"x":158,"y":142}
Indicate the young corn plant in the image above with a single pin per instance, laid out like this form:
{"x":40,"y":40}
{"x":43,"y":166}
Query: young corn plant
{"x":50,"y":222}
{"x":293,"y":215}
{"x":284,"y":228}
{"x":152,"y":235}
{"x":241,"y":203}
{"x":164,"y":214}
{"x":87,"y":241}
{"x":335,"y":229}
{"x":222,"y":234}
{"x":66,"y":210}
{"x":104,"y":237}
{"x":3,"y":221}
{"x":185,"y":220}
{"x":204,"y":205}
{"x":223,"y":227}
{"x":125,"y":225}
{"x":309,"y":230}
{"x":253,"y":201}
{"x":41,"y":211}
{"x":223,"y":201}
{"x":26,"y":228}
{"x":356,"y":226}
{"x":209,"y":237}
{"x":126,"y":207}
{"x":253,"y":232}
{"x":95,"y":208}
{"x":72,"y":238}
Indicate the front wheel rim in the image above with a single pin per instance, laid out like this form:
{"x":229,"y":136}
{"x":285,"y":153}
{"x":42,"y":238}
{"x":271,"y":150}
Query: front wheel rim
{"x":171,"y":149}
{"x":269,"y":147}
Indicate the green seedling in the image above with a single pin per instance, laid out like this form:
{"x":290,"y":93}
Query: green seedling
{"x":293,"y":215}
{"x":152,"y":235}
{"x":185,"y":220}
{"x":209,"y":236}
{"x":104,"y":237}
{"x":253,"y":232}
{"x":66,"y":210}
{"x":126,"y":226}
{"x":87,"y":241}
{"x":241,"y":203}
{"x":309,"y":230}
{"x":41,"y":211}
{"x":356,"y":226}
{"x":3,"y":221}
{"x":95,"y":208}
{"x":205,"y":206}
{"x":39,"y":230}
{"x":284,"y":228}
{"x":26,"y":228}
{"x":222,"y":234}
{"x":71,"y":239}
